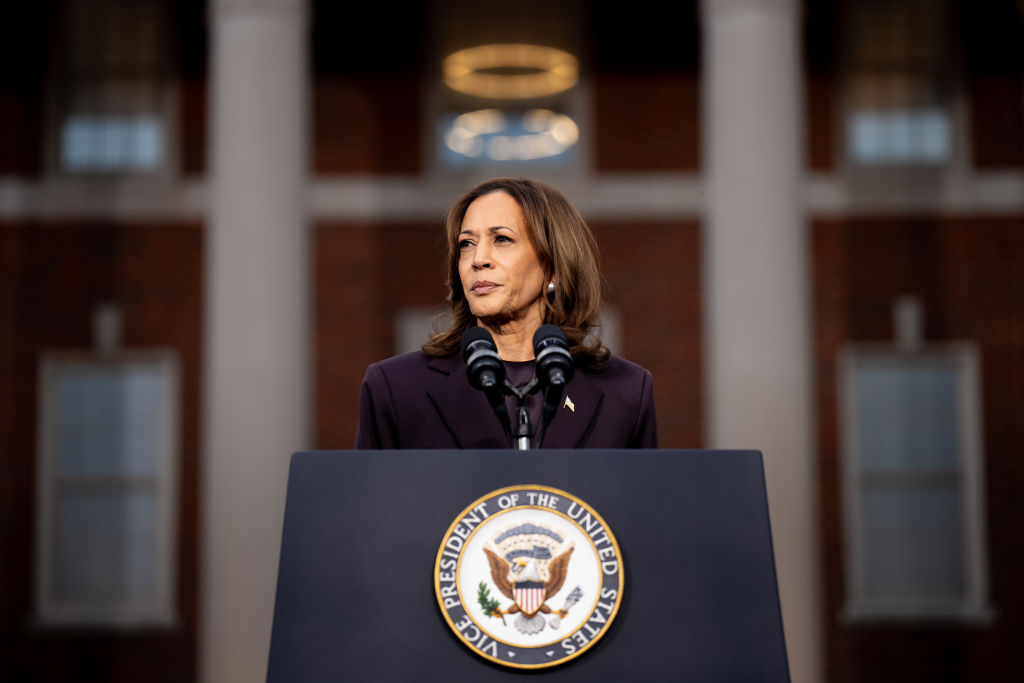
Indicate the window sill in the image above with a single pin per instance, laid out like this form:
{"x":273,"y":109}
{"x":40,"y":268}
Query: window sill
{"x":78,"y":621}
{"x":903,"y":612}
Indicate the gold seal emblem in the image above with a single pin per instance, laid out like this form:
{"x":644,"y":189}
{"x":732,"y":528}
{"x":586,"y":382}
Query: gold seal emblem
{"x":529,"y":576}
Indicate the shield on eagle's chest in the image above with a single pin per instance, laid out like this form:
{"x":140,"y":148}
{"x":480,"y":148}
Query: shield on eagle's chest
{"x":529,"y":596}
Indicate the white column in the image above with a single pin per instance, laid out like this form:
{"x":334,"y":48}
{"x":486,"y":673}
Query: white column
{"x":257,"y":396}
{"x":757,"y":332}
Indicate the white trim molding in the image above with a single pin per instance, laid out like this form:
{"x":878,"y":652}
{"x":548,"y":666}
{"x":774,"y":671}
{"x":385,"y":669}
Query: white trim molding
{"x":679,"y":196}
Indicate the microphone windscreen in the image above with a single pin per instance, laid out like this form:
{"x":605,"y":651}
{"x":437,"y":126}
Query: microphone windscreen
{"x":475,"y":334}
{"x":554,"y":359}
{"x":549,"y":331}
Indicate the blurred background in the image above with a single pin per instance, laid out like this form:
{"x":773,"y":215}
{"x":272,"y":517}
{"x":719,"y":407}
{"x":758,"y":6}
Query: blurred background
{"x":214,"y":215}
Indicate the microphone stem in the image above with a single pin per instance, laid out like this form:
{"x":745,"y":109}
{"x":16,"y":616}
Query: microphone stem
{"x":522,"y":440}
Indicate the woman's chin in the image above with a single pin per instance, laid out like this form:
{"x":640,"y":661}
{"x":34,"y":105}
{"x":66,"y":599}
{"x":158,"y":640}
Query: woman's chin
{"x":497,"y":318}
{"x":493,"y":320}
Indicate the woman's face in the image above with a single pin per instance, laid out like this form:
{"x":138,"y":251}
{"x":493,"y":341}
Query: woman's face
{"x":501,"y":274}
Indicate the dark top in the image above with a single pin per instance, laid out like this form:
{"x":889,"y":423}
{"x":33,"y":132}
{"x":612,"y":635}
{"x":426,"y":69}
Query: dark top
{"x":520,"y":374}
{"x":413,"y":401}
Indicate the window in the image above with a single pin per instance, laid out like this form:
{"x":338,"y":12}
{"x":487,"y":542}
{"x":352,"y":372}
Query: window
{"x":898,"y":89}
{"x":912,"y":483}
{"x":112,"y":91}
{"x":107,"y":486}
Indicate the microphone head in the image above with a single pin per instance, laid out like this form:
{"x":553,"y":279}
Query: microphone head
{"x":549,"y":334}
{"x":483,"y":364}
{"x":475,"y":334}
{"x":554,"y":361}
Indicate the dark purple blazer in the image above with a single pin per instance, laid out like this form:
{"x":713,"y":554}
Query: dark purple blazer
{"x":413,"y":401}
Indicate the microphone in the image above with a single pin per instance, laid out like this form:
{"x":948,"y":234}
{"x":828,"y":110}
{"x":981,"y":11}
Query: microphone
{"x":554,"y":362}
{"x":483,"y":364}
{"x":554,"y":367}
{"x":486,"y":371}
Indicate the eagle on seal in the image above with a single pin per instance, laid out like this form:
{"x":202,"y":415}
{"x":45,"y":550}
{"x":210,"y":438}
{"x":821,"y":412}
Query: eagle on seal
{"x":529,"y":563}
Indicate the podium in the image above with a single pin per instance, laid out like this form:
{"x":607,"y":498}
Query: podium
{"x":362,"y":532}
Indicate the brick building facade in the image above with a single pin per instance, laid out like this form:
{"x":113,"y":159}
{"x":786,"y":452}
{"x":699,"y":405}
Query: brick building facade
{"x":950,"y":235}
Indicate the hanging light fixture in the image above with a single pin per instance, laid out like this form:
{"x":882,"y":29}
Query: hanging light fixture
{"x":510,"y":71}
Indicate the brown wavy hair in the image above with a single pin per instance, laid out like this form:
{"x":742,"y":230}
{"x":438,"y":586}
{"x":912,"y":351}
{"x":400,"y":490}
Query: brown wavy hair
{"x":568,"y":255}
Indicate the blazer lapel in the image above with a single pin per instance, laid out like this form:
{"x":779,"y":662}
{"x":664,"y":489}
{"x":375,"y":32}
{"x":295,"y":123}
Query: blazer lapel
{"x":463,"y":409}
{"x":577,"y":410}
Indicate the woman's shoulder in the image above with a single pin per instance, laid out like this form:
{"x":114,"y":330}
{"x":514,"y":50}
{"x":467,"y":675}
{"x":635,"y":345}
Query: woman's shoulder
{"x":413,"y":359}
{"x":623,"y":379}
{"x":618,"y":367}
{"x":411,"y":364}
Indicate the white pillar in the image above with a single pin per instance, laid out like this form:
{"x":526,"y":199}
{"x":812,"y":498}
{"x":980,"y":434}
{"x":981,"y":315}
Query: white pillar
{"x":257,"y":397}
{"x":757,"y":332}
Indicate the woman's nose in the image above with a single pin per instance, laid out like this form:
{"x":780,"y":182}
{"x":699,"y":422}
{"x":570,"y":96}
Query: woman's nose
{"x":482,"y":257}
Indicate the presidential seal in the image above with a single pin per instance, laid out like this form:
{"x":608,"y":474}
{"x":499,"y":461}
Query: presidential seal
{"x":529,"y":576}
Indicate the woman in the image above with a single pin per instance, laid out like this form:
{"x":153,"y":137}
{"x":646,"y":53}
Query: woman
{"x":519,"y":256}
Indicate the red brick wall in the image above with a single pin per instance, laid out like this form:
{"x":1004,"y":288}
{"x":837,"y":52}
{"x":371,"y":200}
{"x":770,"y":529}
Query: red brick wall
{"x":368,"y":61}
{"x":993,"y":41}
{"x":997,"y":121}
{"x":367,"y":124}
{"x":821,"y":57}
{"x":648,"y":123}
{"x":653,"y":270}
{"x":23,"y":50}
{"x":192,"y":112}
{"x":51,"y":276}
{"x":190,"y":56}
{"x":969,"y":274}
{"x":643,"y":68}
{"x":364,"y":272}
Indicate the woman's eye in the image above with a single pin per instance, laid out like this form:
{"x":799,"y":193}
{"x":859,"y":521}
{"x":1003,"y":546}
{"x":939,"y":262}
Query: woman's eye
{"x":464,"y":243}
{"x":502,"y":238}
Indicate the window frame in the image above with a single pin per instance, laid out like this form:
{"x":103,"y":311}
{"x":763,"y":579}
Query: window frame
{"x":161,"y":610}
{"x":973,"y":605}
{"x":869,"y":179}
{"x":59,"y":79}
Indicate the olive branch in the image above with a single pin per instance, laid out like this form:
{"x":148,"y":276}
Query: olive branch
{"x":487,"y":603}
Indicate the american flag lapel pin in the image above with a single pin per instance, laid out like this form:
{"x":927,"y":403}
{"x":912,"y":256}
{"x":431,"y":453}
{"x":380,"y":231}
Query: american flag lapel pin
{"x":569,"y":404}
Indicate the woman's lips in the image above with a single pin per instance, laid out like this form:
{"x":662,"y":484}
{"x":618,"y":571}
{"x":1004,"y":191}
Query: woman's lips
{"x":483,"y":286}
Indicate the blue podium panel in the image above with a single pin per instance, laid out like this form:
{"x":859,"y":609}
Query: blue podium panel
{"x":362,"y":529}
